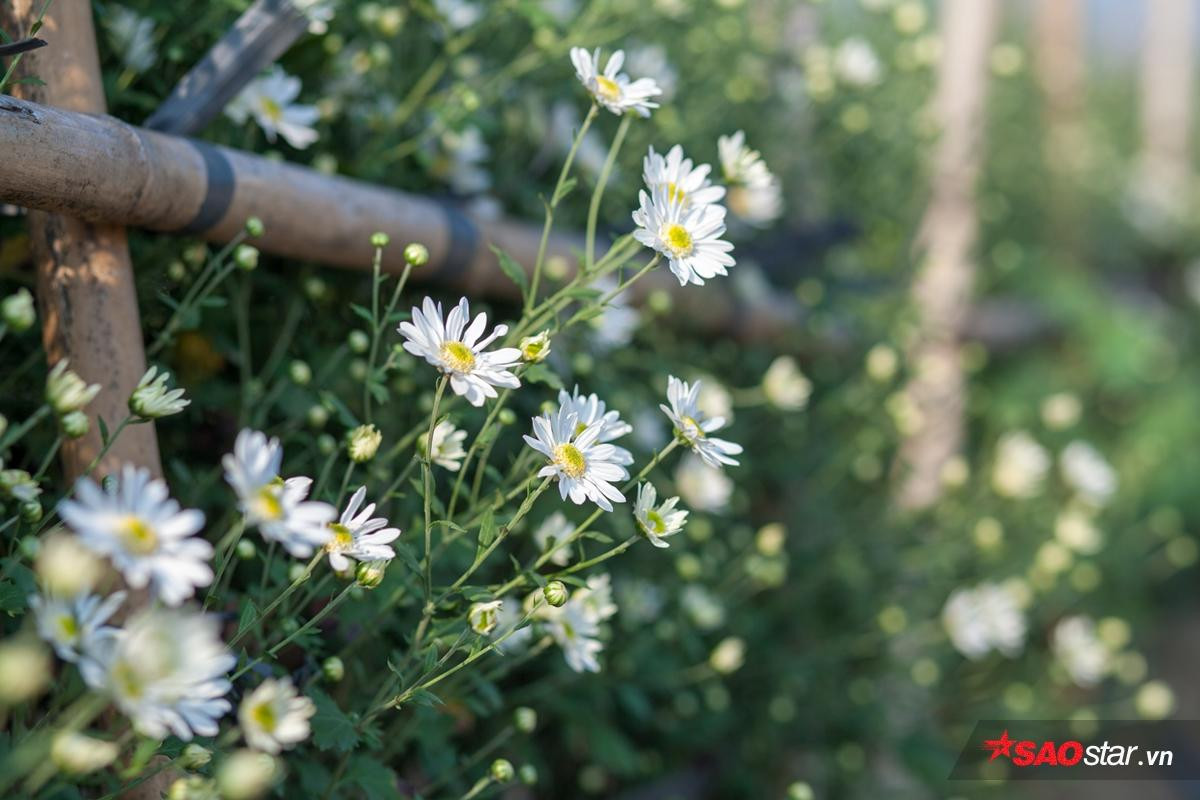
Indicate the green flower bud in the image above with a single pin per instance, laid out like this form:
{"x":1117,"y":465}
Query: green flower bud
{"x":66,"y":391}
{"x":300,"y":372}
{"x":315,"y":288}
{"x":24,"y":669}
{"x":246,"y":774}
{"x":295,"y":572}
{"x":246,"y":549}
{"x":800,"y":791}
{"x":317,"y":416}
{"x":177,"y":271}
{"x":74,"y":425}
{"x":16,"y":311}
{"x":333,"y":669}
{"x":254,"y":227}
{"x":369,"y":574}
{"x":358,"y":370}
{"x":363,"y":443}
{"x":507,"y":416}
{"x":502,"y":770}
{"x":528,"y":774}
{"x":19,"y":484}
{"x":326,"y":444}
{"x":359,"y":342}
{"x":525,"y":718}
{"x":416,"y":254}
{"x":31,"y":512}
{"x":379,"y":240}
{"x":194,"y":756}
{"x":246,"y":257}
{"x":556,"y":593}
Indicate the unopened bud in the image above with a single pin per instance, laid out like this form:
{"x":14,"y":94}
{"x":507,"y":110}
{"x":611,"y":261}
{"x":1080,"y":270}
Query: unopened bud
{"x":245,"y":775}
{"x":300,"y":373}
{"x":369,"y":574}
{"x":246,"y":257}
{"x":525,"y":718}
{"x":556,"y":593}
{"x":31,"y":512}
{"x":16,"y":311}
{"x":534,"y":349}
{"x":502,"y":770}
{"x":363,"y":443}
{"x":416,"y":254}
{"x":246,"y":549}
{"x":507,"y":416}
{"x":194,"y":756}
{"x":64,"y":567}
{"x":379,"y":240}
{"x":193,"y":787}
{"x":326,"y":444}
{"x":359,"y":342}
{"x":254,"y":227}
{"x":74,"y":425}
{"x":76,"y":754}
{"x":333,"y":669}
{"x":528,"y":774}
{"x":24,"y":670}
{"x":317,"y":416}
{"x":482,"y":617}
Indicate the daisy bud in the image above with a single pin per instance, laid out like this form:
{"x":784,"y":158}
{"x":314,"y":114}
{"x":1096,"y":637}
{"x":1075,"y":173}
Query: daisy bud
{"x":66,"y":391}
{"x":362,"y":443}
{"x":534,"y":349}
{"x":358,"y":370}
{"x":246,"y":257}
{"x":333,"y":669}
{"x":416,"y":254}
{"x":66,"y":568}
{"x":295,"y":572}
{"x":193,"y":787}
{"x":246,"y":550}
{"x":482,"y":617}
{"x":800,"y":791}
{"x":326,"y":444}
{"x":31,"y":512}
{"x":76,"y":754}
{"x":195,"y":756}
{"x":177,"y":271}
{"x":369,"y":574}
{"x":525,"y":718}
{"x":300,"y":373}
{"x":379,"y":240}
{"x":315,"y":288}
{"x":24,"y":670}
{"x":74,"y":425}
{"x":359,"y":342}
{"x":556,"y":593}
{"x":152,"y":400}
{"x":507,"y":416}
{"x":502,"y":770}
{"x":254,"y":227}
{"x":245,"y":775}
{"x":17,"y":312}
{"x":528,"y":774}
{"x":317,"y":416}
{"x":18,"y":484}
{"x":727,"y":657}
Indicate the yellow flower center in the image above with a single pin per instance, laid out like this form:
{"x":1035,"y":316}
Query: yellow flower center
{"x":68,"y":627}
{"x":266,"y":503}
{"x":137,"y":536}
{"x":692,"y":429}
{"x":568,"y":458}
{"x":263,"y":715}
{"x":678,"y":240}
{"x":342,"y":538}
{"x":657,"y":523}
{"x":676,"y":195}
{"x":608,"y":89}
{"x":457,"y":356}
{"x":127,"y":680}
{"x":272,"y":109}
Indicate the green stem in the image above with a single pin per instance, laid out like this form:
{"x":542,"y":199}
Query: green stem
{"x":598,"y":193}
{"x":503,"y":532}
{"x":325,"y":611}
{"x":427,"y":475}
{"x":284,"y":595}
{"x":14,"y":434}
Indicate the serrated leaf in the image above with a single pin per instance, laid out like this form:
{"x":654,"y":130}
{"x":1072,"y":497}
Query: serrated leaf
{"x":376,"y":781}
{"x":540,"y":373}
{"x":332,"y":729}
{"x":514,"y":271}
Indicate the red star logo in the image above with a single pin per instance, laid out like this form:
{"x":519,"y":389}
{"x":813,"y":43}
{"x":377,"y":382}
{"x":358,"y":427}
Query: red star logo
{"x":1001,"y":746}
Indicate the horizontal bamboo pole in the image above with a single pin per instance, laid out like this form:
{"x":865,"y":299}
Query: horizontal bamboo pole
{"x":96,"y":168}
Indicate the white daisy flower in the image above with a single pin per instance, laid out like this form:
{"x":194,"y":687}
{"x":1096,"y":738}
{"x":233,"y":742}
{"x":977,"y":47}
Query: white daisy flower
{"x":657,"y":521}
{"x":754,"y":192}
{"x":694,"y":427}
{"x":984,"y":618}
{"x":277,"y":507}
{"x":674,"y":174}
{"x":70,"y":625}
{"x":459,"y":14}
{"x":270,"y":99}
{"x":591,"y":409}
{"x":576,"y":632}
{"x":689,"y":237}
{"x":612,"y":88}
{"x":151,"y":400}
{"x":1086,"y":471}
{"x":508,"y":617}
{"x":358,"y":536}
{"x":596,"y":598}
{"x":66,"y":391}
{"x":456,"y":349}
{"x":617,"y":322}
{"x":1080,"y":650}
{"x":133,"y":37}
{"x":552,"y":531}
{"x":275,"y":716}
{"x":143,"y":532}
{"x":165,"y":671}
{"x":856,"y":63}
{"x":1020,"y":466}
{"x":448,"y":449}
{"x":584,"y":467}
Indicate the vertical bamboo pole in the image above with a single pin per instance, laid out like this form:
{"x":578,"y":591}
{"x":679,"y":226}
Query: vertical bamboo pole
{"x":941,"y":291}
{"x":85,"y":278}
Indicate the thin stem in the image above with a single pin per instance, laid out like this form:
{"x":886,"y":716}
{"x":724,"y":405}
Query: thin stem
{"x":112,"y":438}
{"x":225,"y":550}
{"x":15,"y":433}
{"x":199,"y":290}
{"x":427,"y":474}
{"x":325,"y":611}
{"x":284,"y":595}
{"x":598,"y":193}
{"x":48,"y":458}
{"x":503,"y":532}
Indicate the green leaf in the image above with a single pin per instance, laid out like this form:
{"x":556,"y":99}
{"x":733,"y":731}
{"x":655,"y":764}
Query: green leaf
{"x":424,"y":697}
{"x":103,"y":429}
{"x":247,"y":617}
{"x":540,"y":373}
{"x":487,"y":528}
{"x":583,"y":293}
{"x":514,"y":271}
{"x":363,"y":312}
{"x":376,"y":781}
{"x":564,"y":190}
{"x":332,"y":729}
{"x":12,"y":599}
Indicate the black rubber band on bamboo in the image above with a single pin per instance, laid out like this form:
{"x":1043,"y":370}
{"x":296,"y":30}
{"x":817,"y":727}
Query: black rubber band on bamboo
{"x":218,"y":194}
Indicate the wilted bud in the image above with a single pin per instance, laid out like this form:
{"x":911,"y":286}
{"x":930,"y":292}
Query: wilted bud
{"x":359,"y":342}
{"x":369,"y":574}
{"x":152,"y":400}
{"x":76,"y":754}
{"x":245,"y":549}
{"x":379,"y":240}
{"x":556,"y":593}
{"x":245,"y":775}
{"x":502,"y":770}
{"x":66,"y":568}
{"x":194,"y":756}
{"x":16,"y":311}
{"x":193,"y":787}
{"x":246,"y":257}
{"x":525,"y":718}
{"x":534,"y":349}
{"x":254,"y":227}
{"x":362,"y":443}
{"x":482,"y":617}
{"x":317,"y":416}
{"x":528,"y":774}
{"x":74,"y":425}
{"x":24,"y":670}
{"x":300,"y":373}
{"x":727,"y":657}
{"x":66,"y":391}
{"x":31,"y":512}
{"x":333,"y":669}
{"x":416,"y":254}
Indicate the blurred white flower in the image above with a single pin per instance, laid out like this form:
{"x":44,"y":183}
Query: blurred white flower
{"x":1020,"y":465}
{"x":270,"y":99}
{"x":856,"y":63}
{"x":66,"y":391}
{"x":132,"y":37}
{"x":984,"y":618}
{"x":1086,"y":471}
{"x":1061,"y":411}
{"x":71,"y":625}
{"x":275,"y":716}
{"x":596,"y":598}
{"x":143,"y":532}
{"x":577,"y":633}
{"x":714,"y":399}
{"x":456,"y":349}
{"x":676,"y":177}
{"x":319,"y":12}
{"x":694,"y":426}
{"x":702,"y":607}
{"x":165,"y":671}
{"x":728,"y":656}
{"x":564,"y":125}
{"x":459,"y":14}
{"x":689,"y":237}
{"x":465,"y":152}
{"x":483,"y":617}
{"x":1081,"y":652}
{"x":612,"y":88}
{"x":615,"y":326}
{"x":652,"y":61}
{"x":657,"y":521}
{"x":1074,"y":528}
{"x":553,"y":530}
{"x":754,"y":192}
{"x":785,"y":386}
{"x":584,"y":467}
{"x":448,"y":449}
{"x":359,"y":536}
{"x":702,"y":487}
{"x":508,"y":617}
{"x":77,"y":754}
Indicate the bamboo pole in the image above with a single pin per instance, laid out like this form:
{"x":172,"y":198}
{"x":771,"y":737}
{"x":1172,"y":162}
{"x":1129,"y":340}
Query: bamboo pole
{"x":85,"y":284}
{"x":941,"y":291}
{"x":100,"y":169}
